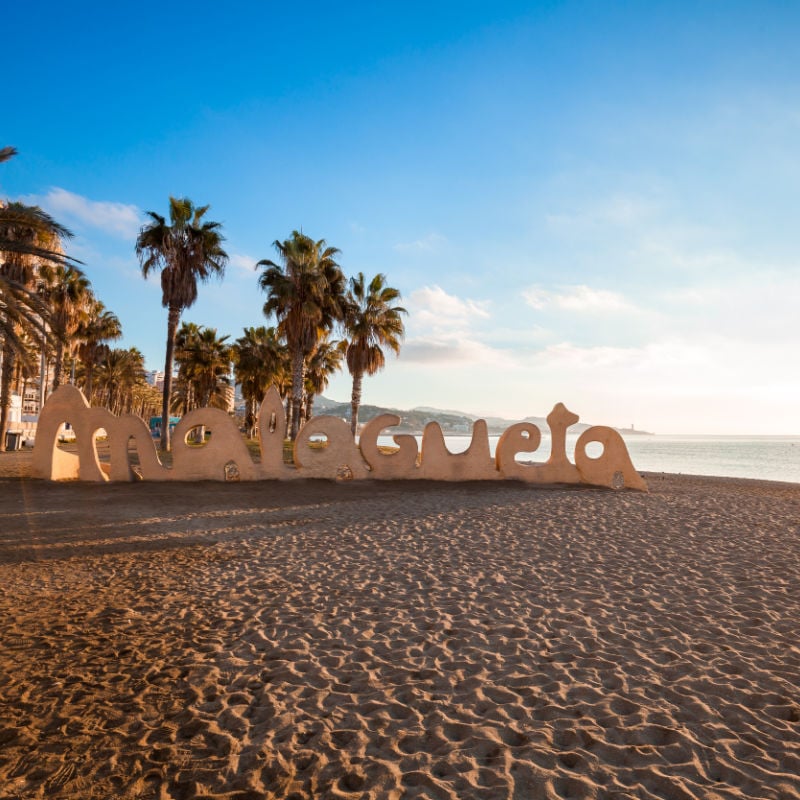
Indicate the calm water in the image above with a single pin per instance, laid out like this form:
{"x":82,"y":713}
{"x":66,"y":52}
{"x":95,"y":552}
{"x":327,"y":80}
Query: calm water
{"x":766,"y":457}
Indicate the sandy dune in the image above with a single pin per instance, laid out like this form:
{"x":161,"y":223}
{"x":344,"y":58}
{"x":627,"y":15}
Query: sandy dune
{"x":386,"y":641}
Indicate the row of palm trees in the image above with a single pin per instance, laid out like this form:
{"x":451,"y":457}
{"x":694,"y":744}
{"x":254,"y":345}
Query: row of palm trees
{"x":51,"y":321}
{"x":307,"y":295}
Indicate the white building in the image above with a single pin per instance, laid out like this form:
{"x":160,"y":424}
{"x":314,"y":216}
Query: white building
{"x":230,"y":399}
{"x":155,"y":378}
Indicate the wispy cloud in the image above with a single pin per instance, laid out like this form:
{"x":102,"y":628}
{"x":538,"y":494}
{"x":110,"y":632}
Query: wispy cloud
{"x":618,"y":210}
{"x":242,"y":262}
{"x":449,"y":350}
{"x":442,"y":329}
{"x":432,"y":308}
{"x":429,"y":243}
{"x":117,"y":219}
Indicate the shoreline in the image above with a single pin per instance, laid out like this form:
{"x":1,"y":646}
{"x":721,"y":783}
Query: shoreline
{"x":410,"y":639}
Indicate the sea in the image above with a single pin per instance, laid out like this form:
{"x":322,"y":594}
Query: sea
{"x":774,"y":458}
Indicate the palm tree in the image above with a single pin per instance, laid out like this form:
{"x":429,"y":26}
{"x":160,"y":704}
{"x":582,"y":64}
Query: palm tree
{"x":26,"y":233}
{"x":305,"y":293}
{"x":258,"y":362}
{"x":68,"y":292}
{"x":99,"y":327}
{"x":204,"y":371}
{"x":120,"y":375}
{"x":183,"y":400}
{"x":324,"y":361}
{"x":372,"y":322}
{"x":145,"y":400}
{"x":186,"y":250}
{"x":28,"y":236}
{"x":23,"y":316}
{"x":23,"y":320}
{"x":29,"y":231}
{"x":205,"y":364}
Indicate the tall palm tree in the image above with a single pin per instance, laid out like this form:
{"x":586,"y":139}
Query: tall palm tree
{"x":23,"y":316}
{"x":68,"y":292}
{"x":99,"y":326}
{"x":372,"y":322}
{"x":28,"y":237}
{"x":183,"y":399}
{"x":186,"y":250}
{"x":305,"y":292}
{"x":23,"y":319}
{"x":258,"y":362}
{"x":324,"y":361}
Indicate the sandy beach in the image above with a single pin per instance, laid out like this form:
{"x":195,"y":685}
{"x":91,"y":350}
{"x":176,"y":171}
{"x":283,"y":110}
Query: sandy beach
{"x":398,"y":640}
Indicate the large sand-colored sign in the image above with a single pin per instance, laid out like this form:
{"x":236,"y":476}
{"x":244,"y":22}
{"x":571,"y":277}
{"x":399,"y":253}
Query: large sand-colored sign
{"x":324,"y":449}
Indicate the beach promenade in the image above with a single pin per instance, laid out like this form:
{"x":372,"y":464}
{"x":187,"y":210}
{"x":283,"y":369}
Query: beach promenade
{"x":398,"y":640}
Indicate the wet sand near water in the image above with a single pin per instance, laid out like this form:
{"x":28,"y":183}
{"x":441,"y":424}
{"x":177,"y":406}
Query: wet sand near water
{"x":415,"y":640}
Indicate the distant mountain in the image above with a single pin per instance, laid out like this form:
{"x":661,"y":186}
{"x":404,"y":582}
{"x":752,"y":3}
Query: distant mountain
{"x":322,"y":403}
{"x":452,"y":422}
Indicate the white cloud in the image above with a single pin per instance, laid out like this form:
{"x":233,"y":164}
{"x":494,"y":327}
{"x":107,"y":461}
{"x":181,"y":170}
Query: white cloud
{"x":429,"y":243}
{"x":117,"y":219}
{"x":579,"y":298}
{"x":243,"y":262}
{"x":432,"y":308}
{"x":449,"y":350}
{"x":442,"y":328}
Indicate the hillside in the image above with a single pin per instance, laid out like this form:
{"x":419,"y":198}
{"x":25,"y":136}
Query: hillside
{"x":452,"y":422}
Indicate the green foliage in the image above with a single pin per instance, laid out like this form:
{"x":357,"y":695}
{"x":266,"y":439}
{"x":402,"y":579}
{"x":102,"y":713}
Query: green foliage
{"x":186,"y":250}
{"x":306,"y":294}
{"x":371,"y":322}
{"x":204,"y":365}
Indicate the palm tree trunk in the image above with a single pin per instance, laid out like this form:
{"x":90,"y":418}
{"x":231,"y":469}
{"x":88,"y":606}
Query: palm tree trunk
{"x":298,"y":382}
{"x":19,"y":379}
{"x":304,"y":410}
{"x":250,"y":417}
{"x":59,"y":365}
{"x":173,"y":318}
{"x":355,"y":402}
{"x":9,"y":363}
{"x":87,"y":386}
{"x":43,"y":374}
{"x":288,"y":404}
{"x":309,"y":406}
{"x":200,"y":435}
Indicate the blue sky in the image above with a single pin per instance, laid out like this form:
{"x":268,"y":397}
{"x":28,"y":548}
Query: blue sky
{"x":588,"y":202}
